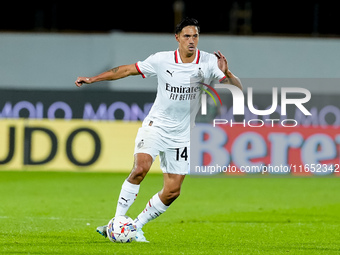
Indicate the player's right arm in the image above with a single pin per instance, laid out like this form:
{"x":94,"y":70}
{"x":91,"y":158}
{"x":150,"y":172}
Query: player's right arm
{"x":112,"y":74}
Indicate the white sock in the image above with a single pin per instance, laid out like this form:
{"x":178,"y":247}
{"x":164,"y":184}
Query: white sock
{"x":153,"y":209}
{"x":126,"y":198}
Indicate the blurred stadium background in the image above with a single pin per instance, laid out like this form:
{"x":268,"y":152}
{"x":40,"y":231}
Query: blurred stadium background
{"x":49,"y":124}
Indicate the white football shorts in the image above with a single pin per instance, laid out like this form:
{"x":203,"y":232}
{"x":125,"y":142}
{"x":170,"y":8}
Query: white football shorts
{"x":174,"y":156}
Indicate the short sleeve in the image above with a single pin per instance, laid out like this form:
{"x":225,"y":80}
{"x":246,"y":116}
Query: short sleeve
{"x":148,"y":67}
{"x":215,"y":70}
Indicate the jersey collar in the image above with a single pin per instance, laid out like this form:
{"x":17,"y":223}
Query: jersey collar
{"x":178,"y":59}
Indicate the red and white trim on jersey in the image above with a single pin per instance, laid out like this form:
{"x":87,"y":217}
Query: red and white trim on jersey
{"x":198,"y":56}
{"x":222,"y":78}
{"x":139,"y":71}
{"x":176,"y":56}
{"x":179,"y":61}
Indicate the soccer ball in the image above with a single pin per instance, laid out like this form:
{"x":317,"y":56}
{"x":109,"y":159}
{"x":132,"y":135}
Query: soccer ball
{"x":121,"y":229}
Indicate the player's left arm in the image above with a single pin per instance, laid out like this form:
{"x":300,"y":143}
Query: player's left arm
{"x":223,"y":66}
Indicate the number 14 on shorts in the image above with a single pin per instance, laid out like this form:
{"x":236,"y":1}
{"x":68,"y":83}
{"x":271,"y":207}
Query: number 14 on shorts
{"x":182,"y":154}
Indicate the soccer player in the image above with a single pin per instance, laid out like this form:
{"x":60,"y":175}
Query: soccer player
{"x":166,"y":129}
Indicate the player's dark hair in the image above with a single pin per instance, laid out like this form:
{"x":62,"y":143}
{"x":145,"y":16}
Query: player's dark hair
{"x":187,"y":22}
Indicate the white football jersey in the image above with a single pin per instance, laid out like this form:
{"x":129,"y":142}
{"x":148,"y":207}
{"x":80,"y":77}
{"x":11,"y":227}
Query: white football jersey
{"x":179,"y":90}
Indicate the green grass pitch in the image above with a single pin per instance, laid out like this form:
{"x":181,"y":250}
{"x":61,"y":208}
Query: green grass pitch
{"x":57,"y":213}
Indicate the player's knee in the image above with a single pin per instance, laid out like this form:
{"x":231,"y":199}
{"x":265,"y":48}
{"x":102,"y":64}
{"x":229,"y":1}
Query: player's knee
{"x":138,"y":173}
{"x":141,"y":170}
